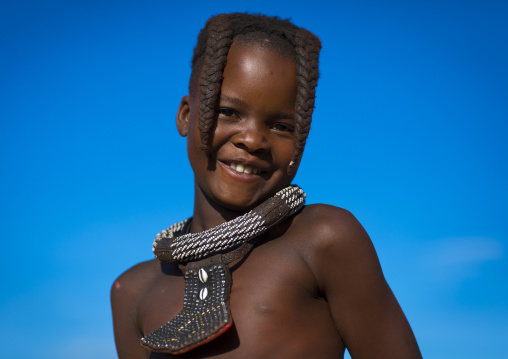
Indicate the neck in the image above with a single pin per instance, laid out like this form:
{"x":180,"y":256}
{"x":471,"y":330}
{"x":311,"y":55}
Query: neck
{"x":207,"y":213}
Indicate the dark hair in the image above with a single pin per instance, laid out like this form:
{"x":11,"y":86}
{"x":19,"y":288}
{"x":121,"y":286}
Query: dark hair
{"x":289,"y":40}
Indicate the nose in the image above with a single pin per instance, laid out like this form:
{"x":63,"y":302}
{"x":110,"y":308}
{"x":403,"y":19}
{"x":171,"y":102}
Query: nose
{"x":252,"y":139}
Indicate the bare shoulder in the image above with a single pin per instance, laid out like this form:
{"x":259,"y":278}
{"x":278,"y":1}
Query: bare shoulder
{"x":334,"y":241}
{"x":329,"y":221}
{"x":325,"y":227}
{"x":335,"y":244}
{"x":126,"y":293}
{"x":134,"y":280}
{"x":342,"y":258}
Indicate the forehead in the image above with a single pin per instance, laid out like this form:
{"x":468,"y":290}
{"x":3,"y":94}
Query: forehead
{"x":263,"y":52}
{"x":259,"y":73}
{"x":274,"y":42}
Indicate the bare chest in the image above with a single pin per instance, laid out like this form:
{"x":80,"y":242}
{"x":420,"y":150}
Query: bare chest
{"x":274,"y":304}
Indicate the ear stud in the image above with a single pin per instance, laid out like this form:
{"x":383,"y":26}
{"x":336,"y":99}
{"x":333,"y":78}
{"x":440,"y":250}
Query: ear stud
{"x":291,"y":168}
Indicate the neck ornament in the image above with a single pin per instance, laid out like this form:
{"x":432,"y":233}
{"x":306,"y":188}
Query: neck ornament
{"x":205,"y":256}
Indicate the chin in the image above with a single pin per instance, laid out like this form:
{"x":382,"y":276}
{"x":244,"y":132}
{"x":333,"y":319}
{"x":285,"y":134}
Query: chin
{"x":238,"y":204}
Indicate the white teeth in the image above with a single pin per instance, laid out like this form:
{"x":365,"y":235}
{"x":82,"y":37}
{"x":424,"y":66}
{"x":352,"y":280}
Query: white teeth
{"x":244,"y":169}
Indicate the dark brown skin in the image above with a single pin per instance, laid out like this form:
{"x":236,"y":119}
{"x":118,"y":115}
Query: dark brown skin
{"x":312,"y":286}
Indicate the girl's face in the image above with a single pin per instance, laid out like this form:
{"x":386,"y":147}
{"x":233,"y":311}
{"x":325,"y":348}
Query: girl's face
{"x":253,"y":141}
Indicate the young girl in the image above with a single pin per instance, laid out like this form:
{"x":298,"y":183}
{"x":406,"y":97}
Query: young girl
{"x":254,"y":273}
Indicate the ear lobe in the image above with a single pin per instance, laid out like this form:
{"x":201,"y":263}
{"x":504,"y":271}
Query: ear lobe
{"x":182,"y":116}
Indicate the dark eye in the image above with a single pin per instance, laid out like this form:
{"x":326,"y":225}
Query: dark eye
{"x":283,"y":127}
{"x":226,"y":112}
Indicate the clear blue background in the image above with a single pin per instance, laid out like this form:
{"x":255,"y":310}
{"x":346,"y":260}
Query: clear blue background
{"x":409,"y":133}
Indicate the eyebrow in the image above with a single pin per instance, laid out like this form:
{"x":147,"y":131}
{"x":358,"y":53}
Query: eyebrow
{"x":241,"y":102}
{"x":234,"y":100}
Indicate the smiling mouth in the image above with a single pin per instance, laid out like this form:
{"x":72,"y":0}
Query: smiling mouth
{"x":244,"y":169}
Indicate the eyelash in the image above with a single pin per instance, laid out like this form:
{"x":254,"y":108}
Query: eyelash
{"x":285,"y":127}
{"x":230,"y":112}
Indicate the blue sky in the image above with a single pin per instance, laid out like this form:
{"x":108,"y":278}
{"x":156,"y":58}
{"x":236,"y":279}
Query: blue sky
{"x":409,"y":134}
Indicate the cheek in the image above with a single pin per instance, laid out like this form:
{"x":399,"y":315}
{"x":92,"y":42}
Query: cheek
{"x":284,"y":155}
{"x":286,"y":150}
{"x":222,"y":134}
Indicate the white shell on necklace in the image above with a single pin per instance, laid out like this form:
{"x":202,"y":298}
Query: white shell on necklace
{"x":203,"y":293}
{"x":203,"y":276}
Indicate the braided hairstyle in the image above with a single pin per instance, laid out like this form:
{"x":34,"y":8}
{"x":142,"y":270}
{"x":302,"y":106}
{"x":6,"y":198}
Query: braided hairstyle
{"x":210,"y":57}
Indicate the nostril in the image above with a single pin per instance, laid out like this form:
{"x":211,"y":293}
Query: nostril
{"x":252,"y":148}
{"x":251,"y":141}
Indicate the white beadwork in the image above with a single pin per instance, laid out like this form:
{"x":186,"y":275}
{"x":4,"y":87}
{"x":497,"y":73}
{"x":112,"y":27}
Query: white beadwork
{"x":193,"y":246}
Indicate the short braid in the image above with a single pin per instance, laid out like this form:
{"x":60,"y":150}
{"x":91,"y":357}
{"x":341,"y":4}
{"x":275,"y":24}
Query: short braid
{"x":307,"y":47}
{"x":220,"y":37}
{"x":210,"y":57}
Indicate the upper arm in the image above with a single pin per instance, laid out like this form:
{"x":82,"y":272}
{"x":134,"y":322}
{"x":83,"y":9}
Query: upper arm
{"x":364,"y":309}
{"x":125,"y":294}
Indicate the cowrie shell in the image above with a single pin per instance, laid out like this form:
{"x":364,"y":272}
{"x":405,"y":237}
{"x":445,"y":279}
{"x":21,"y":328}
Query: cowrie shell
{"x":203,"y":293}
{"x":203,"y":276}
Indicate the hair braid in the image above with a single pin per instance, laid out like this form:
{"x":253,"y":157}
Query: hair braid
{"x":307,"y":47}
{"x":220,"y":37}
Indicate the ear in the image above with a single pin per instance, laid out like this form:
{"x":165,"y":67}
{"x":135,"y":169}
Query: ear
{"x":182,"y":116}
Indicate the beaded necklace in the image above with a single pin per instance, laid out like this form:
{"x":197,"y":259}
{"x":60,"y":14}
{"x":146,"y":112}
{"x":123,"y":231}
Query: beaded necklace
{"x":205,"y":257}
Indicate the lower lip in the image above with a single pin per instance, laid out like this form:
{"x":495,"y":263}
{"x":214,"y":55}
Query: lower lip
{"x":243,"y":177}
